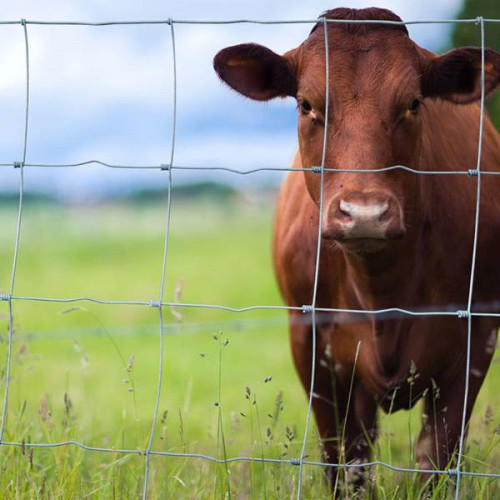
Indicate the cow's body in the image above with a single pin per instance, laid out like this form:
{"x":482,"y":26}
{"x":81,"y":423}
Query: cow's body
{"x":388,"y":239}
{"x":403,"y":356}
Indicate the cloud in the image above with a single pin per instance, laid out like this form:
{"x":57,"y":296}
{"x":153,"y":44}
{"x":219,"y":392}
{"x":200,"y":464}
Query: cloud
{"x":106,"y":92}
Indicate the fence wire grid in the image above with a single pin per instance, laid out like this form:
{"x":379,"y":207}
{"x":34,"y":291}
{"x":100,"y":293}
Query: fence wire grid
{"x":312,"y":309}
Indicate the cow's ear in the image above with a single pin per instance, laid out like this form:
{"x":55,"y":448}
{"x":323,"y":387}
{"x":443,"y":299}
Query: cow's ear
{"x":256,"y":71}
{"x":456,"y":75}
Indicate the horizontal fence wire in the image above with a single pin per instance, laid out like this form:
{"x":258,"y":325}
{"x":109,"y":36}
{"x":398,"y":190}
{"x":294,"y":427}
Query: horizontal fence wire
{"x":290,"y":461}
{"x":315,"y":169}
{"x":184,"y":327}
{"x":169,"y":21}
{"x":388,"y":313}
{"x":209,"y":458}
{"x":310,"y":310}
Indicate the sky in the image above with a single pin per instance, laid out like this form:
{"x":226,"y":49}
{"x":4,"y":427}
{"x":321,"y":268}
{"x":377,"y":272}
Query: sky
{"x":106,"y":93}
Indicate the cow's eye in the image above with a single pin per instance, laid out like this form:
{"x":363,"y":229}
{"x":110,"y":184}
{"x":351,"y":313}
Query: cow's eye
{"x":414,"y":106}
{"x":305,"y":106}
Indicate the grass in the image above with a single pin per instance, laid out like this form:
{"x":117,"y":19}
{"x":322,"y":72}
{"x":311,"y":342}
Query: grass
{"x":89,"y":372}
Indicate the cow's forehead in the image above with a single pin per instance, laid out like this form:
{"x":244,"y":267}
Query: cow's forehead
{"x":363,"y":60}
{"x":387,"y":45}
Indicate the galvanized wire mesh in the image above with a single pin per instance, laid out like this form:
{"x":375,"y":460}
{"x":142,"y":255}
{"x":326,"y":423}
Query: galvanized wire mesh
{"x":312,"y":308}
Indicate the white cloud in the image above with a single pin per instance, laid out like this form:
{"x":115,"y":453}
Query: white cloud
{"x":107,"y":92}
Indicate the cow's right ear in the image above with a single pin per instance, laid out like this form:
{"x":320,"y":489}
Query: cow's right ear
{"x":256,"y":71}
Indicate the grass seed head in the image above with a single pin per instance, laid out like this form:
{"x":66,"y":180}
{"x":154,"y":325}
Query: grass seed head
{"x":130,"y":363}
{"x":176,"y":311}
{"x":328,"y":351}
{"x":67,"y":403}
{"x":413,"y":373}
{"x":488,"y":416}
{"x":44,"y":410}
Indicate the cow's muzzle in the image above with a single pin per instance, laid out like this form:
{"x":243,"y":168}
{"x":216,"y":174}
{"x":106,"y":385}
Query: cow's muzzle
{"x":363,"y":216}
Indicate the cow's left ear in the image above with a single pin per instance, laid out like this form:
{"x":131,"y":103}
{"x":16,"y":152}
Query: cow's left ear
{"x":456,"y":75}
{"x":256,"y":71}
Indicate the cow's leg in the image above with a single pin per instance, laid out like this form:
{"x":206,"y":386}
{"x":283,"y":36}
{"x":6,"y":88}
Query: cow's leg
{"x":359,"y":431}
{"x":341,"y":411}
{"x":443,"y":407}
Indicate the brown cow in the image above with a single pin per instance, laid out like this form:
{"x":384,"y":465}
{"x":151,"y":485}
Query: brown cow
{"x":388,"y":239}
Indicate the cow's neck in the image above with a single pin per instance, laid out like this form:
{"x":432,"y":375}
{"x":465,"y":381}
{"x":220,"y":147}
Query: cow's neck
{"x":383,"y":281}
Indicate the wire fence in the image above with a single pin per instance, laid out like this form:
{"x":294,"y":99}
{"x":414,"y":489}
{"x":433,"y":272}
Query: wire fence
{"x":312,"y":308}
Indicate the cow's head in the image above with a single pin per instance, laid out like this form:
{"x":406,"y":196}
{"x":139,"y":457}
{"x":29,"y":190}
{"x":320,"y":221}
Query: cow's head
{"x":379,"y":82}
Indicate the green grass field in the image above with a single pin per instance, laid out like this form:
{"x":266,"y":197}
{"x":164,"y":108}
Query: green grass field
{"x":89,"y":372}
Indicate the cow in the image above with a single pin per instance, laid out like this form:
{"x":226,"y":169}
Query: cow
{"x":395,"y":238}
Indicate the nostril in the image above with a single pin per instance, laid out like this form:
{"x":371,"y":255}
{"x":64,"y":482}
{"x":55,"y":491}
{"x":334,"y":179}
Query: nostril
{"x":344,"y":208}
{"x":385,"y":213}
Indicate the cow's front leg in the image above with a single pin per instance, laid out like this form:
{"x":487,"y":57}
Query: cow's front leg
{"x":345,"y":413}
{"x":443,"y":406}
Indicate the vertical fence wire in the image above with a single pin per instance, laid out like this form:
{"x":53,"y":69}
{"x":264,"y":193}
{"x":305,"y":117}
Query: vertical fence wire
{"x":318,"y":257}
{"x":164,"y":261}
{"x":473,"y":268}
{"x":20,"y":165}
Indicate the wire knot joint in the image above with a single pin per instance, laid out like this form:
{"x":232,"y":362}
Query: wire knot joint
{"x":165,"y":166}
{"x":463,"y":314}
{"x":18,"y":164}
{"x":307,"y":309}
{"x":473,"y":172}
{"x":479,"y":20}
{"x":155,"y":303}
{"x":295,"y":461}
{"x":5,"y":296}
{"x":317,"y":170}
{"x":452,"y":472}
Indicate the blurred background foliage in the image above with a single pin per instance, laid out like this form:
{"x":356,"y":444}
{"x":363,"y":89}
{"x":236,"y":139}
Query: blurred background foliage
{"x":469,"y":34}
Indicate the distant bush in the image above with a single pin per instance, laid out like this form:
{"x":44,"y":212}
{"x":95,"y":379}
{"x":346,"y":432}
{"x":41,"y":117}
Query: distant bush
{"x":469,"y":34}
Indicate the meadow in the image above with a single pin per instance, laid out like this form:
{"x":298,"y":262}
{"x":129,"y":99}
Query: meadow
{"x":89,"y":372}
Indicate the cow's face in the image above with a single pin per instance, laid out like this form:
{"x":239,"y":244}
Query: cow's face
{"x":373,"y":122}
{"x":379,"y":81}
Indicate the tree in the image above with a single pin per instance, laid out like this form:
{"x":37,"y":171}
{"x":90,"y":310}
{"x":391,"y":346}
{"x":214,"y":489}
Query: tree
{"x":469,"y":34}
